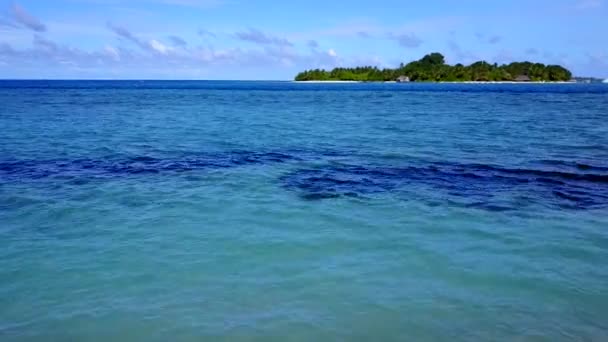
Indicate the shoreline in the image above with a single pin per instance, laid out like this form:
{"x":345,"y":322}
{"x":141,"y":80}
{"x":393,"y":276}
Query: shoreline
{"x":447,"y":82}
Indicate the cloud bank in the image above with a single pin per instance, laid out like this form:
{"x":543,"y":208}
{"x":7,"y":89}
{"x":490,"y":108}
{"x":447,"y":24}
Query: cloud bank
{"x":18,"y":17}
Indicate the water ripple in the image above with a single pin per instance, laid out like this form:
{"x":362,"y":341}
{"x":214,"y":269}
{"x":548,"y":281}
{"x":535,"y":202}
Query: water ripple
{"x":474,"y":185}
{"x":559,"y":184}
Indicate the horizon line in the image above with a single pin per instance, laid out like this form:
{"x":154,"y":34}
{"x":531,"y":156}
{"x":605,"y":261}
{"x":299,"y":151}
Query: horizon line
{"x":201,"y":80}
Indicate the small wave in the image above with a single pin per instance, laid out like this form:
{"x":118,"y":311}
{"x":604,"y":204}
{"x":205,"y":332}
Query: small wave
{"x":36,"y":169}
{"x":574,"y":165}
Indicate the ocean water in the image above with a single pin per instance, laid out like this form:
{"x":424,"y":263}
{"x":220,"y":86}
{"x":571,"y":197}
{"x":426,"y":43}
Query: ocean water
{"x":260,"y":211}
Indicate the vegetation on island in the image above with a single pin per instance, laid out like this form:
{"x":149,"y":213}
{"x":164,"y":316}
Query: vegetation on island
{"x":432,"y":68}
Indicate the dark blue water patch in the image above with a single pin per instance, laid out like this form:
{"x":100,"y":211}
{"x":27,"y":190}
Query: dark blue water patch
{"x":576,"y":166}
{"x":472,"y":185}
{"x":495,"y":188}
{"x":135,"y":165}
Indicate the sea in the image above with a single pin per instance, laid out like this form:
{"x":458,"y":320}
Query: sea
{"x":283,"y":211}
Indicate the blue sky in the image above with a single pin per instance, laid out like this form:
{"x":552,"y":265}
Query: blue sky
{"x":271,"y":39}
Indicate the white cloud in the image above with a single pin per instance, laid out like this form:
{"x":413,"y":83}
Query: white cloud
{"x":177,"y":41}
{"x":593,"y":63}
{"x":408,"y":40}
{"x":18,"y":17}
{"x":313,"y":44}
{"x":460,"y":55}
{"x":259,"y":37}
{"x":151,"y":45}
{"x":112,"y":52}
{"x":44,"y":44}
{"x":153,"y":57}
{"x":532,"y":51}
{"x":493,"y":39}
{"x":206,"y":33}
{"x":159,"y":47}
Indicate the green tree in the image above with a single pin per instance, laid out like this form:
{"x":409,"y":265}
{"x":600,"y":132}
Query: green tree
{"x":432,"y":67}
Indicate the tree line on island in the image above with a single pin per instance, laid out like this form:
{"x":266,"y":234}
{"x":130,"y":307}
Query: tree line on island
{"x":432,"y":68}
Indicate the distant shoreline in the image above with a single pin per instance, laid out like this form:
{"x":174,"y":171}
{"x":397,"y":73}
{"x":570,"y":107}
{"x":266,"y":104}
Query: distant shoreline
{"x":450,"y":82}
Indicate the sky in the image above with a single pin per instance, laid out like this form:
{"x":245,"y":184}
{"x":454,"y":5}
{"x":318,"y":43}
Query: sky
{"x":274,"y":40}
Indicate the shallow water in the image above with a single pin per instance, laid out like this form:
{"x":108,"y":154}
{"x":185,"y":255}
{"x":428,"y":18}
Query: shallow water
{"x":285,"y":211}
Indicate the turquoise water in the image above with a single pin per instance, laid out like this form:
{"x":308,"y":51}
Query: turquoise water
{"x":282,"y":211}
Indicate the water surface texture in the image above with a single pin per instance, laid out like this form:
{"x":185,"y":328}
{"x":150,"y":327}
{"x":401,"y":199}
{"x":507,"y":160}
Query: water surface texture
{"x":188,"y":211}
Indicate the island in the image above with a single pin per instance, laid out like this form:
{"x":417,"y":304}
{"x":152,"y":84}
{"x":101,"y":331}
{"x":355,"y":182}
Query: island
{"x":433,"y":68}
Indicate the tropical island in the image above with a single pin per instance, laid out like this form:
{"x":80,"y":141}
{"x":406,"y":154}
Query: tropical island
{"x":432,"y":68}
